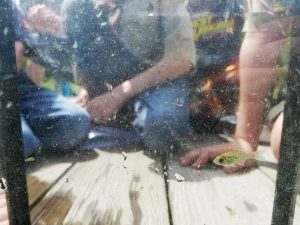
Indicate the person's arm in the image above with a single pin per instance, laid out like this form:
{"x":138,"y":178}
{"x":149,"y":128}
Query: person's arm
{"x":104,"y":106}
{"x":166,"y":70}
{"x":178,"y":61}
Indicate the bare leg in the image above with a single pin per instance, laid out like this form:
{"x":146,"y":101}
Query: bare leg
{"x":3,"y":210}
{"x":276,"y":135}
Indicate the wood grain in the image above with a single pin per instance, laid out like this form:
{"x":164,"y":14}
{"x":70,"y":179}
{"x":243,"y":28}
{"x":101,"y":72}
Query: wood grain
{"x":210,"y":197}
{"x":107,"y":190}
{"x":48,"y":168}
{"x":40,"y":181}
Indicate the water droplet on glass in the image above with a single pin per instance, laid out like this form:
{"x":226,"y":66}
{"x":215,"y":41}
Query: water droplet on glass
{"x":179,"y":177}
{"x":5,"y":31}
{"x":179,"y":101}
{"x":92,"y":135}
{"x":103,"y":24}
{"x":75,"y":45}
{"x":8,"y":105}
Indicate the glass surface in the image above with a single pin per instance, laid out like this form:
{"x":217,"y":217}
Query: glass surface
{"x":154,"y":111}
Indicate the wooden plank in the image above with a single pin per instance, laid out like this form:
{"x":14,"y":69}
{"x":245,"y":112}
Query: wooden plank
{"x":40,"y":181}
{"x":210,"y":197}
{"x":46,"y":170}
{"x":269,"y":166}
{"x":107,"y":190}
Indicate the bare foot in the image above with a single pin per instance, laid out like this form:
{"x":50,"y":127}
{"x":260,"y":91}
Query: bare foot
{"x":199,"y":157}
{"x":3,"y":210}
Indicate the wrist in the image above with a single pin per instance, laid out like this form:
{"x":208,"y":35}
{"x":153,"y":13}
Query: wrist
{"x":124,"y":91}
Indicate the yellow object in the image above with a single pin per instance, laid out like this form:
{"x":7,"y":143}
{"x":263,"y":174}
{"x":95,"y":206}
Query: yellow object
{"x":233,"y":158}
{"x":30,"y":159}
{"x":205,"y":27}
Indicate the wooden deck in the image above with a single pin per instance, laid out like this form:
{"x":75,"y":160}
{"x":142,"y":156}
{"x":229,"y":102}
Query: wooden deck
{"x":102,"y":188}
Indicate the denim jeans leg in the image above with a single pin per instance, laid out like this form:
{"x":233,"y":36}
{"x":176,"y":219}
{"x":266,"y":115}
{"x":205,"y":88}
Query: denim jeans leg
{"x":30,"y":142}
{"x":54,"y":120}
{"x":163,"y":115}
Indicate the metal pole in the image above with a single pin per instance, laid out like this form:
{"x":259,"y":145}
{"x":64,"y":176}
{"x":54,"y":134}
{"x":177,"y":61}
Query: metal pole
{"x":11,"y":149}
{"x":285,"y":191}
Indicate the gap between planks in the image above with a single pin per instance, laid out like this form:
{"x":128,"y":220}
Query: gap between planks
{"x":107,"y":190}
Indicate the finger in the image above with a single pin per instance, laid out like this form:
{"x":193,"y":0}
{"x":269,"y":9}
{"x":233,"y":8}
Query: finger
{"x":189,"y":157}
{"x":202,"y":159}
{"x":248,"y":166}
{"x":198,"y":163}
{"x":231,"y":170}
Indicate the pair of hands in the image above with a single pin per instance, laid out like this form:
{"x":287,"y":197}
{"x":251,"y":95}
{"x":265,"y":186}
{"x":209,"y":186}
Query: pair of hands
{"x":101,"y":108}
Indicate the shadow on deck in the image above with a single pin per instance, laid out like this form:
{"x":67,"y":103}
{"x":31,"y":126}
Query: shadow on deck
{"x":101,"y":187}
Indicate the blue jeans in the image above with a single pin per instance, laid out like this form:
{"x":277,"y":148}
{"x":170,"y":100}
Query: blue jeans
{"x":49,"y":120}
{"x":163,"y":115}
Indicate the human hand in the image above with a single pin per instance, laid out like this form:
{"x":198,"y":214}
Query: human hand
{"x":103,"y":107}
{"x":45,"y":20}
{"x":82,"y":98}
{"x":199,"y":157}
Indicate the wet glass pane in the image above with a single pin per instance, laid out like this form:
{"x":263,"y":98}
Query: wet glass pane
{"x":157,"y":111}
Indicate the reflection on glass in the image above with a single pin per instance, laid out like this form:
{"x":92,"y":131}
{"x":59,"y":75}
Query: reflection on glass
{"x":160,"y":97}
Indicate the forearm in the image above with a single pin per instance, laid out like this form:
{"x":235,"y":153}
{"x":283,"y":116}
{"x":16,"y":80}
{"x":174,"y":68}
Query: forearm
{"x":166,"y":70}
{"x":35,"y":72}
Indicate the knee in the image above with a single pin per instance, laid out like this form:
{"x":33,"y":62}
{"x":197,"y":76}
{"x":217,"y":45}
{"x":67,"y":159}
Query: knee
{"x":76,"y":128}
{"x":80,"y":125}
{"x":70,"y":130}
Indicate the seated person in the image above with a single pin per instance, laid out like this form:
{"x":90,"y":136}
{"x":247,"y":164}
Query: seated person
{"x":48,"y":119}
{"x":135,"y":56}
{"x":267,"y":32}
